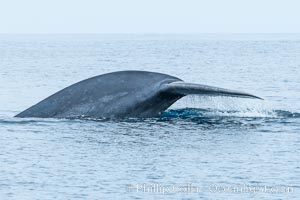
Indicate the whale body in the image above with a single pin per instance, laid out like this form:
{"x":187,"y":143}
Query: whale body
{"x":138,"y":94}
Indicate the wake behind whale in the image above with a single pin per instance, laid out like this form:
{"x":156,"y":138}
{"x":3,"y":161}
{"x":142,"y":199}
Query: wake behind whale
{"x":123,"y":94}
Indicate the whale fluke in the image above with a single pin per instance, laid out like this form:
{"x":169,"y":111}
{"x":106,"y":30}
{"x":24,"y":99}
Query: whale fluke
{"x":122,"y":94}
{"x":184,"y":89}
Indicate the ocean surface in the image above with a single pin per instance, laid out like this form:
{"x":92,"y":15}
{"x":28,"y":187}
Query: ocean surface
{"x":201,"y":148}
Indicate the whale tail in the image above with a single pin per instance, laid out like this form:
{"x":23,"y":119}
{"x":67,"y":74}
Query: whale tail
{"x":182,"y":88}
{"x":121,"y":94}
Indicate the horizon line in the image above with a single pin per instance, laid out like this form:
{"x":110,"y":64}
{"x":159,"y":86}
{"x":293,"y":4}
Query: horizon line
{"x":154,"y":33}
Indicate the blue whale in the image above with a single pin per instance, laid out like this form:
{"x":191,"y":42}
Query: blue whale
{"x":138,"y":94}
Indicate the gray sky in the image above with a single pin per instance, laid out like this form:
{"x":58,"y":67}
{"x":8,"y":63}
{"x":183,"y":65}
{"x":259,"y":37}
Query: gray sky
{"x":149,"y":16}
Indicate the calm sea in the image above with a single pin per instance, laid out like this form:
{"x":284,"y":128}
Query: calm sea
{"x":207,"y":148}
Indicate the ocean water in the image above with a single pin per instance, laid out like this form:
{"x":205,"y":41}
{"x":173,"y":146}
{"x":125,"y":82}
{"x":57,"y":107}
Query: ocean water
{"x":201,"y":148}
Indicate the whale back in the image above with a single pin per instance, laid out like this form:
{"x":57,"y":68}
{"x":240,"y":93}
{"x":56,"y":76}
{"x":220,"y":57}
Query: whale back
{"x":117,"y":94}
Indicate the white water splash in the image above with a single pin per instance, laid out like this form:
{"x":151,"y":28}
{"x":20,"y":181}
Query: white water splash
{"x":228,"y":106}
